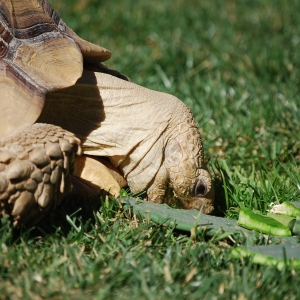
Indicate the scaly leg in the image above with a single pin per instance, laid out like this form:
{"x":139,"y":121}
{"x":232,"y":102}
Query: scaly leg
{"x":35,"y":168}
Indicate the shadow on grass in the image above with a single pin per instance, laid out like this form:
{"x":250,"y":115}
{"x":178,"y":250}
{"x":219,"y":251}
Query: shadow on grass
{"x":220,"y":200}
{"x":81,"y":214}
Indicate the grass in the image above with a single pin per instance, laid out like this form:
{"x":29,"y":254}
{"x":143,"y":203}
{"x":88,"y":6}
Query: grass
{"x":236,"y":65}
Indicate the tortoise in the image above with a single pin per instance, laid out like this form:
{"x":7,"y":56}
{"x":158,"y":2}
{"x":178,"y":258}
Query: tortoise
{"x":68,"y":121}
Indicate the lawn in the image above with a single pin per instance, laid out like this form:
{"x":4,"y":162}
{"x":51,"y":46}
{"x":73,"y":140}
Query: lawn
{"x":236,"y":65}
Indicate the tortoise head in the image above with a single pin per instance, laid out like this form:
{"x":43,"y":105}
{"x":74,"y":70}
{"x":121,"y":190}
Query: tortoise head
{"x":190,"y":182}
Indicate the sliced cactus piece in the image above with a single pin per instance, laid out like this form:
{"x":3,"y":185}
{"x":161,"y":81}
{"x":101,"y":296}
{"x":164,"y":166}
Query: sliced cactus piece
{"x":251,"y":220}
{"x":291,"y":209}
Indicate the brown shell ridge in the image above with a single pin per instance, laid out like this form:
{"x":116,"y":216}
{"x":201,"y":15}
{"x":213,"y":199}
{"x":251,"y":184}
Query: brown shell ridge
{"x":16,"y":73}
{"x":35,"y":31}
{"x":5,"y":37}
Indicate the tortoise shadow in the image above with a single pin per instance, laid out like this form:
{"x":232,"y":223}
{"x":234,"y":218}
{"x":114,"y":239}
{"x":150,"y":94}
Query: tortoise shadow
{"x":78,"y":109}
{"x":77,"y":209}
{"x":74,"y":213}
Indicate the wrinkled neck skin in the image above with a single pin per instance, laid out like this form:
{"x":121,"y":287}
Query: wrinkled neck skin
{"x":183,"y":180}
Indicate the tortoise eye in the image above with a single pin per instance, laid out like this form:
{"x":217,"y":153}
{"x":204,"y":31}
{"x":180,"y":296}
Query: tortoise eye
{"x":200,"y":188}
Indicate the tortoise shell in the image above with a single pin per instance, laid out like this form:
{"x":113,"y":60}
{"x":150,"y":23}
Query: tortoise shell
{"x":38,"y":54}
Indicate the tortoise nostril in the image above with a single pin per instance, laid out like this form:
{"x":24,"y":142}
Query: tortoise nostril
{"x":200,"y":188}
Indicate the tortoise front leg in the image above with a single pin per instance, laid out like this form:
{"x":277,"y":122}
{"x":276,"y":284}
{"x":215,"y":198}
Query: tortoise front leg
{"x":35,"y":168}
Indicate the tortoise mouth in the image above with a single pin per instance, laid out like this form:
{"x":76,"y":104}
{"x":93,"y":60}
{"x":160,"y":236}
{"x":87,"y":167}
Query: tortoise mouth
{"x":204,"y":205}
{"x":208,"y":209}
